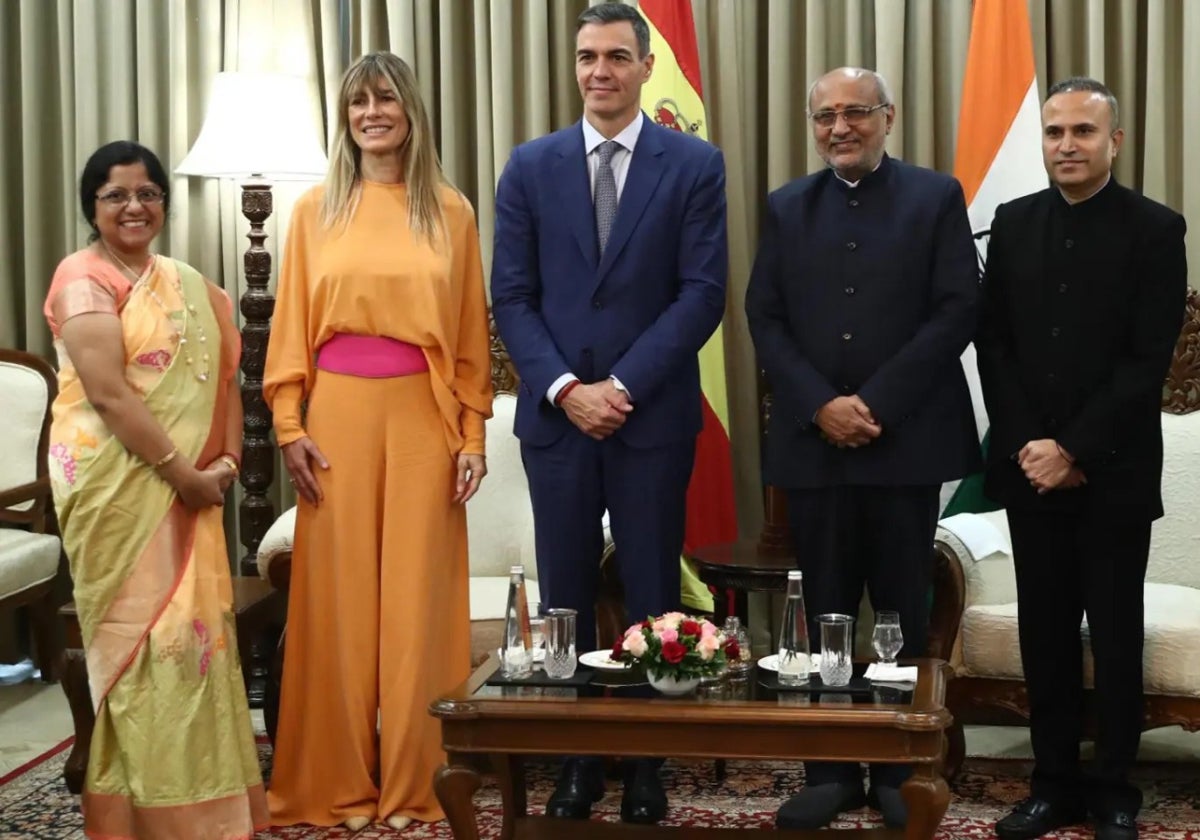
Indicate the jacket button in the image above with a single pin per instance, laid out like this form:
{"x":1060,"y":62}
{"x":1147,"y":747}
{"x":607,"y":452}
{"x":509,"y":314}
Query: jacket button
{"x":846,"y":336}
{"x":1054,"y":332}
{"x":597,"y":305}
{"x":850,"y":246}
{"x":587,"y":351}
{"x":854,"y":202}
{"x":849,"y":290}
{"x":1070,"y":243}
{"x":1062,"y":288}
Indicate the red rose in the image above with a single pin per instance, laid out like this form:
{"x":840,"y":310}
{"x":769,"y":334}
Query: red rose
{"x":732,"y":650}
{"x":647,"y":623}
{"x":690,"y":628}
{"x":673,"y":652}
{"x":617,"y":651}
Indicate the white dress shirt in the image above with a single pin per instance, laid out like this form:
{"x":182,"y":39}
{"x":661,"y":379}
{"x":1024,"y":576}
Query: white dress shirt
{"x":626,"y":139}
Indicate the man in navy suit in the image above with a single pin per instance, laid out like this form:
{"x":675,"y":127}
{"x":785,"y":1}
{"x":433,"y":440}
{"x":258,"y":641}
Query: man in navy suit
{"x":862,"y":298}
{"x":608,"y":277}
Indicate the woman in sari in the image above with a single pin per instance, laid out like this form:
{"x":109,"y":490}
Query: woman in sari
{"x":381,"y":331}
{"x":146,"y":439}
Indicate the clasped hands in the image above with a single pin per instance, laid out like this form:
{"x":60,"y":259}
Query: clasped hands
{"x":1048,"y":467}
{"x":847,"y":422}
{"x":598,"y":409}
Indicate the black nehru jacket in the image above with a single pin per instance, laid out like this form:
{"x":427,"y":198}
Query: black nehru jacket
{"x":1083,"y":306}
{"x":868,"y":290}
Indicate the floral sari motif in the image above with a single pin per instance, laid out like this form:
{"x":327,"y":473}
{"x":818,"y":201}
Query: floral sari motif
{"x":172,"y":752}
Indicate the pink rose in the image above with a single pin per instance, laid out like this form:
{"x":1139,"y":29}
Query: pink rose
{"x":668,"y":635}
{"x":707,"y":628}
{"x":708,"y":645}
{"x":635,"y":644}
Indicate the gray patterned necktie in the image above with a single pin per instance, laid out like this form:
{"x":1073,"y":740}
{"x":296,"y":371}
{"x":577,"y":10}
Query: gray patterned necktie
{"x":605,"y":193}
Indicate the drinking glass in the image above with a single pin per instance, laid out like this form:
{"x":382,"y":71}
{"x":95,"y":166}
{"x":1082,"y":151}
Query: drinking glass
{"x":837,"y":646}
{"x":887,"y":638}
{"x":559,"y":627}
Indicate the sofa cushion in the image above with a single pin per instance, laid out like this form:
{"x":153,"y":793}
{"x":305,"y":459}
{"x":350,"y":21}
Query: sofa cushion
{"x":1171,"y":658}
{"x":1175,"y":539}
{"x":489,"y":596}
{"x":25,"y":397}
{"x":26,"y":560}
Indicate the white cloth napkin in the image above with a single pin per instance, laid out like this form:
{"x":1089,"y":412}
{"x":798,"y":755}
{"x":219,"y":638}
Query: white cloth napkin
{"x":878,"y":672}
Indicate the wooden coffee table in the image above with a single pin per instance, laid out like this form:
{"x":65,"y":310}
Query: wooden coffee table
{"x":489,"y":729}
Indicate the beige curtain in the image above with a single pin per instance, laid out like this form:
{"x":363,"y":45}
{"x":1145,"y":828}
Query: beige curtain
{"x":497,"y":72}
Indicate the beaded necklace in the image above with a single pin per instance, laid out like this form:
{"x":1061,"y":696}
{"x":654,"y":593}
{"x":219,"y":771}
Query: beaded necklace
{"x":180,"y":334}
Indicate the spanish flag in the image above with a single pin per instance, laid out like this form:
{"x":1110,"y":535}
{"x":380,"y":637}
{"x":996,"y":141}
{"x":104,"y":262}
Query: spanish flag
{"x":998,"y":157}
{"x":674,"y":98}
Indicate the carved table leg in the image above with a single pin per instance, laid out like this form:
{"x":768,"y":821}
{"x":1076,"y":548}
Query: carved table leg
{"x":79,"y":697}
{"x":454,"y":785}
{"x":510,"y":775}
{"x":927,"y":796}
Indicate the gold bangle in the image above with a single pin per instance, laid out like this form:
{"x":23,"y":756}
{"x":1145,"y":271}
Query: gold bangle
{"x":166,"y":459}
{"x":228,"y":461}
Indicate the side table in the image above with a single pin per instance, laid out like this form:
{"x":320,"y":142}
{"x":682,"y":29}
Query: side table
{"x":742,"y":567}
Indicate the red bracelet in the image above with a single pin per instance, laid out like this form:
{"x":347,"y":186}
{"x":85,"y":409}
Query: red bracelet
{"x":566,"y":389}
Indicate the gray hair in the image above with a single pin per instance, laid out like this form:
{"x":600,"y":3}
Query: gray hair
{"x":1088,"y":85}
{"x":616,"y":12}
{"x":881,"y":86}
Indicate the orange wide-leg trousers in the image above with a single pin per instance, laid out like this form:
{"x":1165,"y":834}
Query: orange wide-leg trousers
{"x":378,"y":616}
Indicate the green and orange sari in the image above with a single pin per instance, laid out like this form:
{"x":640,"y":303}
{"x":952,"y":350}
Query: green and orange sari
{"x":173,"y":752}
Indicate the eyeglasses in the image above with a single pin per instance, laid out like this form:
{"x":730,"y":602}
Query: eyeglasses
{"x":117,"y":198}
{"x":854,"y":115}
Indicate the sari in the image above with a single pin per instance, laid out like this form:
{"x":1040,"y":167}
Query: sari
{"x":173,"y":751}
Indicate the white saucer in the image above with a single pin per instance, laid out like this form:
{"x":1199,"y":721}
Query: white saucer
{"x":771,"y":663}
{"x":601,"y":660}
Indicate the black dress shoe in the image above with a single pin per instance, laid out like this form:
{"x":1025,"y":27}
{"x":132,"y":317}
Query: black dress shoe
{"x":817,"y":806}
{"x":1035,"y":817}
{"x":1119,"y":825}
{"x":644,"y":800}
{"x":580,"y":783}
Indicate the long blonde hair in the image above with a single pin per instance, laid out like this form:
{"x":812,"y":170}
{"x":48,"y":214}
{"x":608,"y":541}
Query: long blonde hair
{"x":422,"y":168}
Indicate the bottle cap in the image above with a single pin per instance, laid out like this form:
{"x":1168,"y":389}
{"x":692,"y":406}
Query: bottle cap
{"x":795,"y":574}
{"x":516,"y":570}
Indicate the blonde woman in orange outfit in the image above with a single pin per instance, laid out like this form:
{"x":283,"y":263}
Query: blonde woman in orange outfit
{"x":378,"y":375}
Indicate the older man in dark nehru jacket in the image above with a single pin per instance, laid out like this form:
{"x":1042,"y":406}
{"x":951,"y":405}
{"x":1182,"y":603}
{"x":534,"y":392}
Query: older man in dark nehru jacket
{"x":862,"y":299}
{"x":1083,"y":302}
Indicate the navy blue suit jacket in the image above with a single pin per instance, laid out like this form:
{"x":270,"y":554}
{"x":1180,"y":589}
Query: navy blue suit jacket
{"x":870,"y":291}
{"x":641,"y":313}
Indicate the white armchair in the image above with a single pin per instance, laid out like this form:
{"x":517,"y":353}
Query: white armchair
{"x":30,"y":556}
{"x":989,"y":682}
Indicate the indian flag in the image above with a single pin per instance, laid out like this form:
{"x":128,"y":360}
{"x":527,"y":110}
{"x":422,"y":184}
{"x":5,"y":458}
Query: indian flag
{"x":998,"y":156}
{"x":674,"y":98}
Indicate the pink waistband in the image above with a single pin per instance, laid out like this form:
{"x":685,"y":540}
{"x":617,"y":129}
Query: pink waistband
{"x":370,"y":356}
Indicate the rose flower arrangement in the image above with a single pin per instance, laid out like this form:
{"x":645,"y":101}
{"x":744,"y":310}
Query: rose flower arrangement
{"x":675,"y":645}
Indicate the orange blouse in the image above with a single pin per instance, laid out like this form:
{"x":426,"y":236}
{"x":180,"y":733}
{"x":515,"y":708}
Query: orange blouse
{"x":375,"y":277}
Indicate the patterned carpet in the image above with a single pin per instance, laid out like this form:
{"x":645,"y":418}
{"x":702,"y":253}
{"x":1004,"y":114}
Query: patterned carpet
{"x":34,"y":803}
